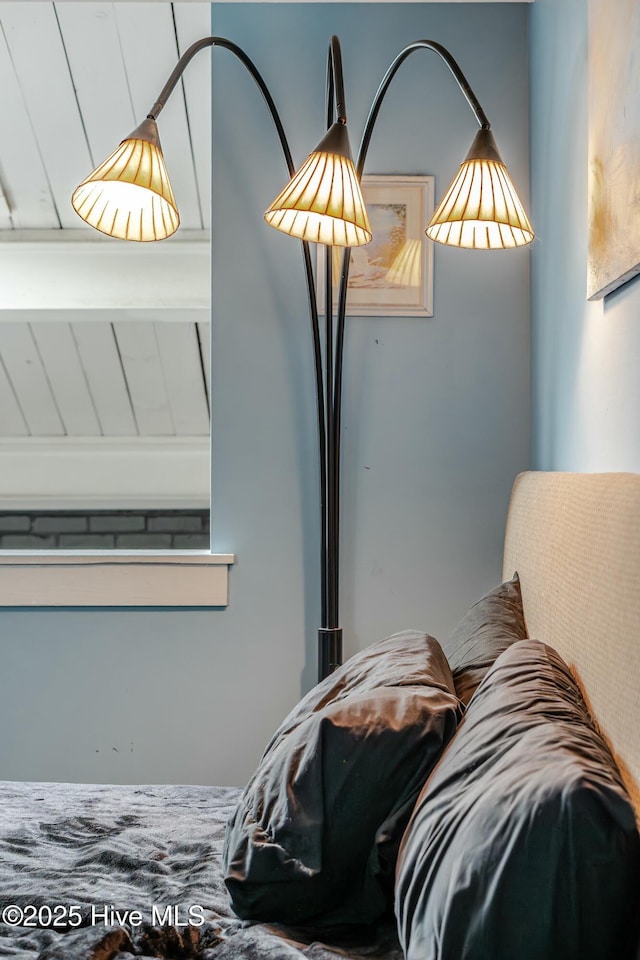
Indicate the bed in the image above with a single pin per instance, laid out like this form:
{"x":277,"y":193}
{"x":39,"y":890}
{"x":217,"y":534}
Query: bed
{"x":106,"y":872}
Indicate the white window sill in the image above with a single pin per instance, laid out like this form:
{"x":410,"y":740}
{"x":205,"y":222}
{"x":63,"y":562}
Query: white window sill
{"x":114,"y":578}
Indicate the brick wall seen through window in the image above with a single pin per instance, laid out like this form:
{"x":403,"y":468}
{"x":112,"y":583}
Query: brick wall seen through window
{"x":105,"y":530}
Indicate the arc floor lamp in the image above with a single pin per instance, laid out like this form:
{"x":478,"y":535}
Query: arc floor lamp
{"x":129,"y":196}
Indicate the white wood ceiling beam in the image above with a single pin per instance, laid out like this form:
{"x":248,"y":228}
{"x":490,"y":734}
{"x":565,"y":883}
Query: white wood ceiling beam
{"x":104,"y":473}
{"x":54,"y":275}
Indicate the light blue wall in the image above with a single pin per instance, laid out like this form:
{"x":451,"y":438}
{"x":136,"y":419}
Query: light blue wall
{"x":585,"y":382}
{"x":435,"y":411}
{"x":436,"y":415}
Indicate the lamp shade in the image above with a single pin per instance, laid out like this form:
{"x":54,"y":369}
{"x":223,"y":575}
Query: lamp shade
{"x":322,"y":203}
{"x":405,"y":269}
{"x":481,"y":209}
{"x":129,"y":195}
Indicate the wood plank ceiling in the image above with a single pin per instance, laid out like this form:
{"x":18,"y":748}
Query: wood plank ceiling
{"x":78,"y":376}
{"x":75,"y":79}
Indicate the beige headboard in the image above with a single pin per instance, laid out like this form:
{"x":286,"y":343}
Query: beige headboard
{"x":575,"y":541}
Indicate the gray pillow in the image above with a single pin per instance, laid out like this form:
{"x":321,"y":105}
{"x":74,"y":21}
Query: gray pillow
{"x":489,"y":627}
{"x":523,"y":843}
{"x":314,"y":840}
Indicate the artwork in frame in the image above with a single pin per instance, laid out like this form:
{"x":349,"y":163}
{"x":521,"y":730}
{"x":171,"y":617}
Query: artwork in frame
{"x":392,"y":275}
{"x":614,"y":145}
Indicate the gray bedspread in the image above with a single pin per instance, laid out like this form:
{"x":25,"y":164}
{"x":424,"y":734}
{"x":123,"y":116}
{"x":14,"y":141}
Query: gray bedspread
{"x":111,"y":872}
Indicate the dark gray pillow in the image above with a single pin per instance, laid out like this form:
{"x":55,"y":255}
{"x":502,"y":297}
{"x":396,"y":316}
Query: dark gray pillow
{"x":523,"y":844}
{"x":314,"y":840}
{"x":489,"y":627}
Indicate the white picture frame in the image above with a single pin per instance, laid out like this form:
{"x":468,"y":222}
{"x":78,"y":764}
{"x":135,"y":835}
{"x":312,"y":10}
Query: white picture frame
{"x":392,"y":275}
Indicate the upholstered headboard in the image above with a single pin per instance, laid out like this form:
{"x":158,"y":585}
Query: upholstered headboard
{"x":575,"y":541}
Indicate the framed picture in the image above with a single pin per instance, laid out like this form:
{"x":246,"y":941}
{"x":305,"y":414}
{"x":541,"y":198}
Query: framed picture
{"x":392,"y":275}
{"x":614,"y":145}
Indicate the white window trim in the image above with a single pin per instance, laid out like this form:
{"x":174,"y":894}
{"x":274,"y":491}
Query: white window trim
{"x":114,"y":473}
{"x":112,"y":578}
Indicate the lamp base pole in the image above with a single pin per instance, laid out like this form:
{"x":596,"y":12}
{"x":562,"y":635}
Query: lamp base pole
{"x":329,"y":650}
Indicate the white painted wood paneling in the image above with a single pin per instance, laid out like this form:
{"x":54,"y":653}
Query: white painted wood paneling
{"x":183,"y":377}
{"x":26,"y":373}
{"x":98,"y":352}
{"x":67,"y":378}
{"x":40,"y":63}
{"x":22,"y":169}
{"x":75,"y":79}
{"x":102,"y":65}
{"x":150,"y":51}
{"x":204,"y":333}
{"x":92,"y":44}
{"x":6,"y":222}
{"x":193,"y":21}
{"x":12,"y":423}
{"x":143,"y":370}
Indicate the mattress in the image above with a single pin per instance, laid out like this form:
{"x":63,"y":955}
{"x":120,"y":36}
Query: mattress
{"x":95,"y":872}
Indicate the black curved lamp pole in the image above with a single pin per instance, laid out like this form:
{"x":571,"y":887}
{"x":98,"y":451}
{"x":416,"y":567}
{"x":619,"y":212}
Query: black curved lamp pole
{"x":330,"y":636}
{"x":328,"y":353}
{"x":330,"y":633}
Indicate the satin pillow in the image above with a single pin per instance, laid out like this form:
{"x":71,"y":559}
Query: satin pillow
{"x":489,"y":627}
{"x":314,"y":839}
{"x":523,"y":844}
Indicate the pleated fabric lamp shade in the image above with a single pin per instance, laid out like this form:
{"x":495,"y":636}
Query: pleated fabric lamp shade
{"x":481,"y":209}
{"x":322,"y":203}
{"x":129,"y":196}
